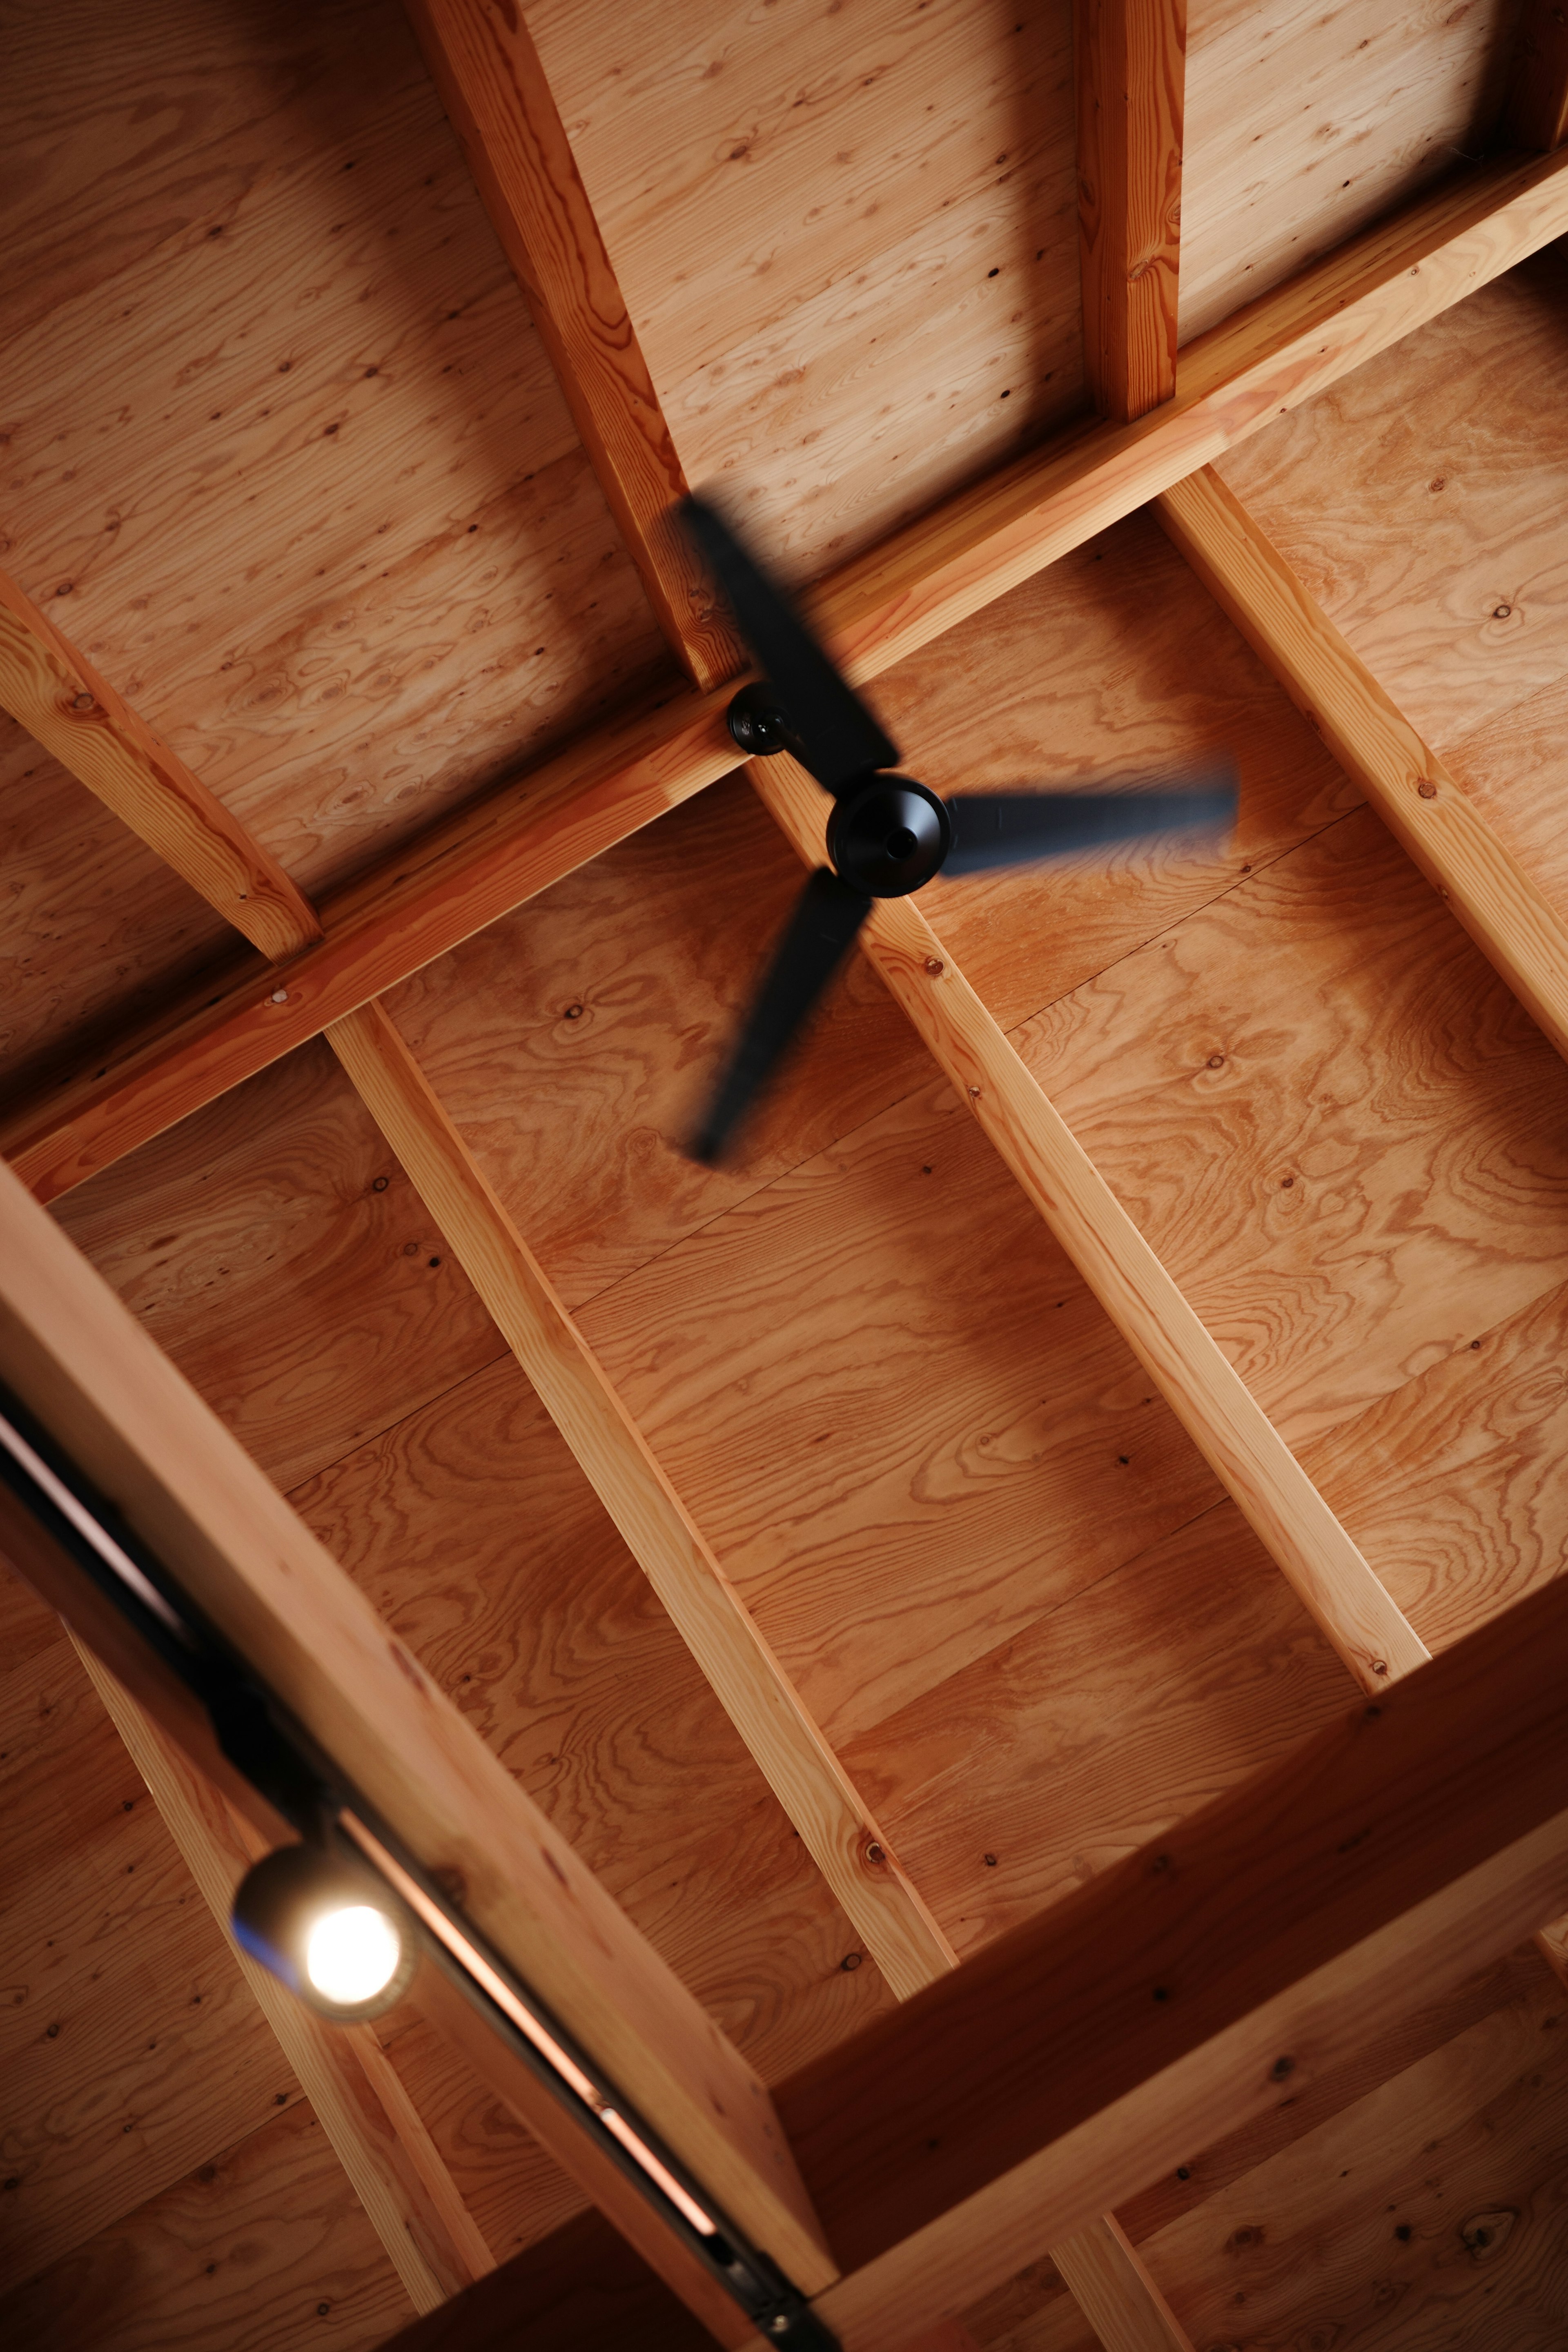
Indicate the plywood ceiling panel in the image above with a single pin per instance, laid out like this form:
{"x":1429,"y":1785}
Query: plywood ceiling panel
{"x":1303,"y":125}
{"x":262,"y":2249}
{"x":298,"y":1282}
{"x":846,"y":235}
{"x":1423,"y":502}
{"x":315,"y":504}
{"x":98,"y":929}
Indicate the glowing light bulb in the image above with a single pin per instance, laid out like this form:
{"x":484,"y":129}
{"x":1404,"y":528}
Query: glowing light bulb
{"x":353,"y":1954}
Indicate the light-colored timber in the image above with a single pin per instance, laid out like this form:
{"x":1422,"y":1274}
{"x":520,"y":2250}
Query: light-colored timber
{"x":1110,"y":2282}
{"x":51,"y":687}
{"x":1130,"y":67}
{"x":1512,"y":922}
{"x":75,"y":1356}
{"x":378,"y":2137}
{"x":484,"y":63}
{"x":1287,"y":347}
{"x":1212,"y":1404}
{"x":845,"y":1840}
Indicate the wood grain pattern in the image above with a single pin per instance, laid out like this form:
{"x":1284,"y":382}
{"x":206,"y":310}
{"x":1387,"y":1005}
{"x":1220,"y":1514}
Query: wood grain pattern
{"x":273,"y":1246}
{"x":845,"y":1842}
{"x":105,"y":939}
{"x":1330,"y":1117}
{"x":129,"y":2047}
{"x":1536,"y":114}
{"x":55,"y":692}
{"x":482,"y":57}
{"x":874,"y":613}
{"x":317,"y":504}
{"x":1044,"y":1761}
{"x":1514,"y":925}
{"x":1129,"y":59}
{"x":1419,"y":503}
{"x":1403,"y":1885}
{"x":1109,"y":2282}
{"x":461,"y":877}
{"x":391,"y":2163}
{"x":1367,"y":2225}
{"x":1304,"y":125}
{"x":1197,"y":1381}
{"x":74,"y":1352}
{"x":241,"y":2255}
{"x":851,"y":261}
{"x":556,"y":1647}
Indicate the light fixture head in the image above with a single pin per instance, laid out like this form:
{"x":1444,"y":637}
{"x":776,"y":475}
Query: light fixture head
{"x":327,"y":1929}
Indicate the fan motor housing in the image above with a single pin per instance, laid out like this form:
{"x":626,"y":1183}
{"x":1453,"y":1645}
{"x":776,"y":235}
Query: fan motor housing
{"x":888,"y":836}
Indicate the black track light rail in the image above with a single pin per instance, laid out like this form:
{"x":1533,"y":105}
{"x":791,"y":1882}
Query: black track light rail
{"x":280,"y":1758}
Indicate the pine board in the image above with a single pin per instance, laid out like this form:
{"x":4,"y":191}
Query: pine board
{"x":848,"y":247}
{"x":326,"y":355}
{"x":98,"y":932}
{"x":273,"y":1246}
{"x":556,"y":1648}
{"x":1303,"y":125}
{"x":1421,"y":501}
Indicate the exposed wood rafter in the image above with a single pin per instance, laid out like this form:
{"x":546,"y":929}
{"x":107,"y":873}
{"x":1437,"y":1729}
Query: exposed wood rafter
{"x":1515,"y":925}
{"x":483,"y":61}
{"x":396,"y":2171}
{"x":76,"y":1355}
{"x":1265,"y":1940}
{"x":1287,"y":347}
{"x":53,"y":691}
{"x":850,"y":1848}
{"x":1130,"y":60}
{"x":1202,"y":1387}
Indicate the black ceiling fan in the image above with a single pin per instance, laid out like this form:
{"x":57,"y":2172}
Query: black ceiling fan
{"x":888,"y":835}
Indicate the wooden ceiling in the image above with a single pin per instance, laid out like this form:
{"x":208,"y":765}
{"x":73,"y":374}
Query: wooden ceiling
{"x":291,"y":475}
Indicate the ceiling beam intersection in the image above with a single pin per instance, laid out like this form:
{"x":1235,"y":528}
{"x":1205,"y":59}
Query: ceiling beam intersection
{"x":1130,"y":70}
{"x":468,"y":871}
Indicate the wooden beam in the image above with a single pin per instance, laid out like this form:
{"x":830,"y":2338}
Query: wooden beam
{"x":482,"y":60}
{"x":411,"y":908}
{"x":430,"y":2237}
{"x":1279,"y":352}
{"x":1433,"y":819}
{"x":1195,"y":1985}
{"x":1107,"y":2279}
{"x":850,"y":1849}
{"x":1536,"y":111}
{"x":1202,"y":1387}
{"x":80,"y":1359}
{"x":54,"y":692}
{"x":1130,"y":63}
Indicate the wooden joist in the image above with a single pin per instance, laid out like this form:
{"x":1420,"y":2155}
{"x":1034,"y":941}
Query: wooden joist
{"x":394,"y":2165}
{"x":1196,"y":1985}
{"x":53,"y":690}
{"x":1281,"y":351}
{"x":853,"y":1852}
{"x":482,"y":60}
{"x":82,"y":1363}
{"x":1202,"y":1387}
{"x":1107,"y":2280}
{"x":1130,"y":62}
{"x":1429,"y":815}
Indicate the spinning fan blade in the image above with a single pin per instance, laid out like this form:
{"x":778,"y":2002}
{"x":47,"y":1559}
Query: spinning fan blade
{"x":1013,"y":828}
{"x":838,"y":736}
{"x":827,"y":915}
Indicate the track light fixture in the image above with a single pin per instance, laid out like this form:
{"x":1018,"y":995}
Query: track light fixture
{"x":328,"y":1931}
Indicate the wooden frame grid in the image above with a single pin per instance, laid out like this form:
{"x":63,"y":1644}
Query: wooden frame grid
{"x":1167,"y":422}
